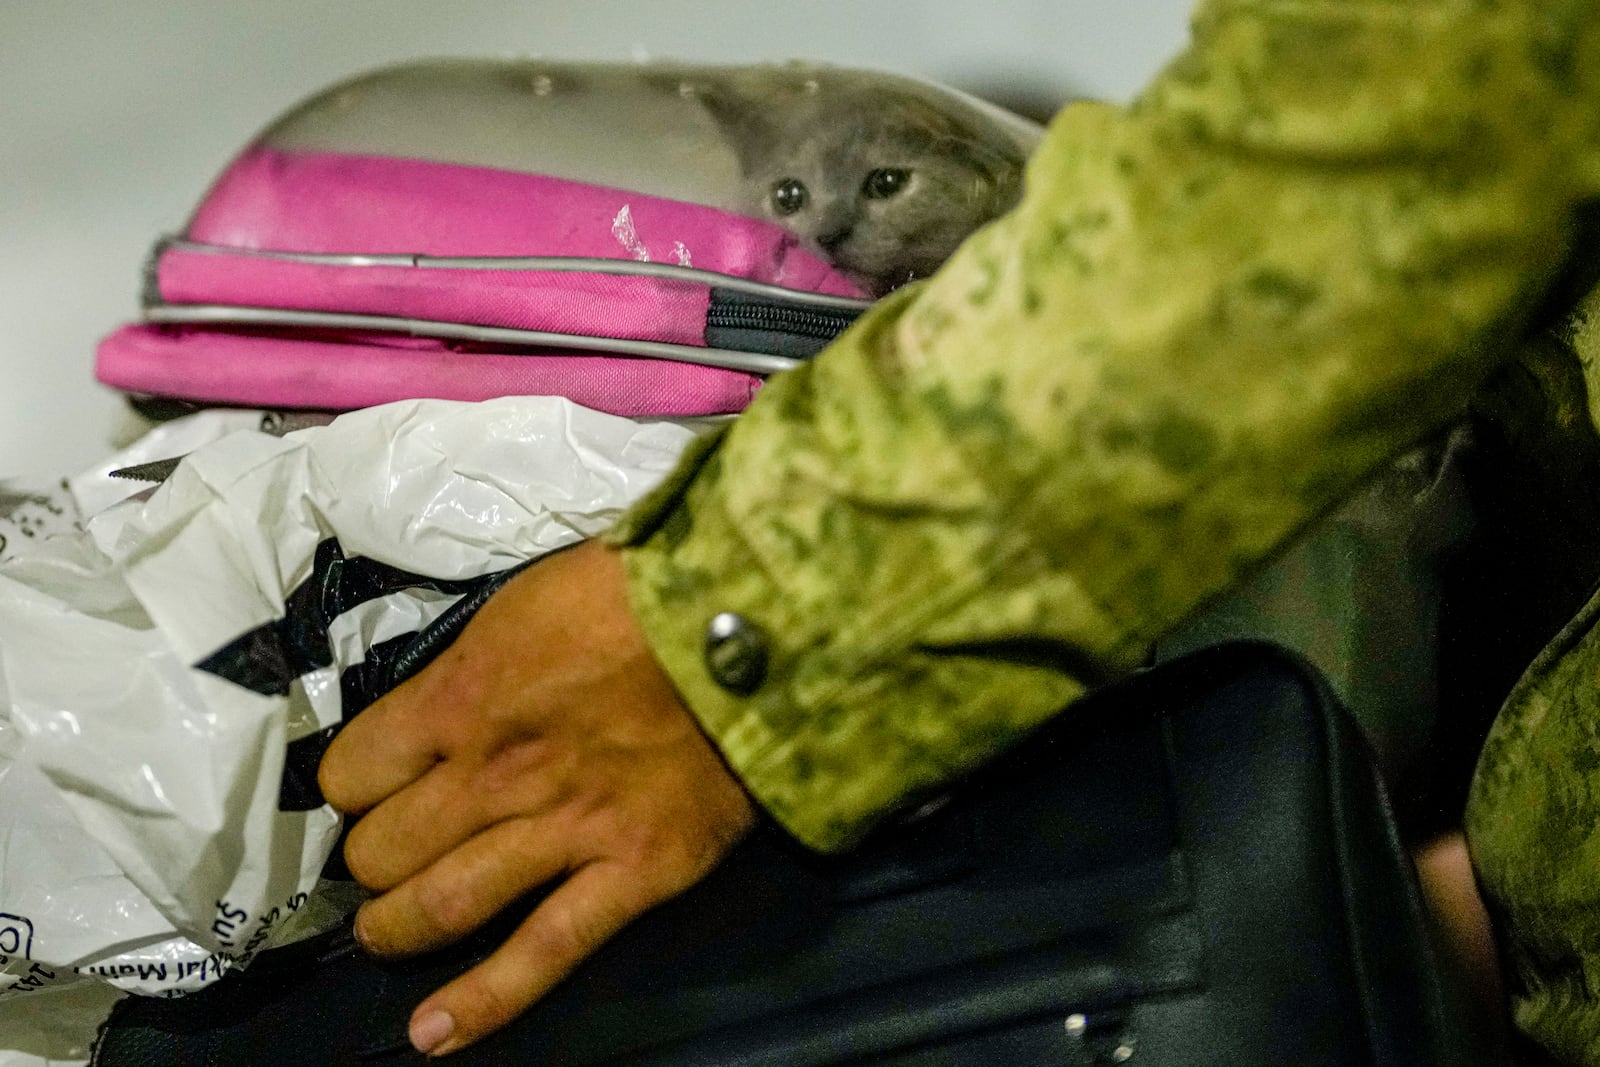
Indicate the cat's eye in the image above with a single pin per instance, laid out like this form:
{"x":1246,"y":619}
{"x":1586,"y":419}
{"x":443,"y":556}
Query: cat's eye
{"x":885,"y":182}
{"x":789,"y":195}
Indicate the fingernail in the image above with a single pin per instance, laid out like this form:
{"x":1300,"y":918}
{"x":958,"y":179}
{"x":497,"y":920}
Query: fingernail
{"x":363,"y":937}
{"x":431,"y":1030}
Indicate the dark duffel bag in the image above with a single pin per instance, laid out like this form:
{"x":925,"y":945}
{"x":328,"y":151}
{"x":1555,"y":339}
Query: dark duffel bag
{"x":1196,"y":867}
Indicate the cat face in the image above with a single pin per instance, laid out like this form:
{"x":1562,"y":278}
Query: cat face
{"x":882,"y":183}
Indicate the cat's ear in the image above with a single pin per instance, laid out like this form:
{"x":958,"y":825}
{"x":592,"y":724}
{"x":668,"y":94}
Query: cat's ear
{"x":742,"y":109}
{"x":752,"y":119}
{"x":940,"y":132}
{"x":941,"y":129}
{"x":913,"y":115}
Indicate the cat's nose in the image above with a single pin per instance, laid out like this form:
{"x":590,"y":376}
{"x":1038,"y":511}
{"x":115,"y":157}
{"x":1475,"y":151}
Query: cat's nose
{"x":831,"y":240}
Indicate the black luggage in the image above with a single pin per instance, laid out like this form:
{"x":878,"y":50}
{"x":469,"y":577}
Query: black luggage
{"x":1196,"y":867}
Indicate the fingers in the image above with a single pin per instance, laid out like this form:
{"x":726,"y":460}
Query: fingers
{"x":545,"y":745}
{"x":389,"y":745}
{"x":462,"y":891}
{"x":480,"y":693}
{"x":449,"y":804}
{"x":460,"y":698}
{"x":362,"y":767}
{"x":583,"y":913}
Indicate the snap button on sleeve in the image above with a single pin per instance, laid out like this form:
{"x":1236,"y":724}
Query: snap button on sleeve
{"x":736,"y":653}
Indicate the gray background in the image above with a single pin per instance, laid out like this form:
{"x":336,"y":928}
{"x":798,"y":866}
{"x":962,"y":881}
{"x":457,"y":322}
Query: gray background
{"x":117,"y":113}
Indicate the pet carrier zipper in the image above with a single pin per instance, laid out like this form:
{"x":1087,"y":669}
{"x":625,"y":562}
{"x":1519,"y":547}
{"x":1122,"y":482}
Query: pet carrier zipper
{"x":746,"y":314}
{"x":796,"y":329}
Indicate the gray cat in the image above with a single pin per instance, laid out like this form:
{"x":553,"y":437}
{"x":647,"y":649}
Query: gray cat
{"x":873,"y":172}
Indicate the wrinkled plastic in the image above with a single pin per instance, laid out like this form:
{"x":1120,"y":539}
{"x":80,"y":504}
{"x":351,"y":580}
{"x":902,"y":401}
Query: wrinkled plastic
{"x":144,"y":842}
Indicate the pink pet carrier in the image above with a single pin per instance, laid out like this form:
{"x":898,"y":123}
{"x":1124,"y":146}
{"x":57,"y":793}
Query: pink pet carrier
{"x":474,"y":229}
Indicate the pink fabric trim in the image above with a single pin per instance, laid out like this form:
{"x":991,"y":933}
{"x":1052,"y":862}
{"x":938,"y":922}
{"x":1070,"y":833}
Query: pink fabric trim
{"x":330,"y":202}
{"x":258,"y":370}
{"x":592,"y":305}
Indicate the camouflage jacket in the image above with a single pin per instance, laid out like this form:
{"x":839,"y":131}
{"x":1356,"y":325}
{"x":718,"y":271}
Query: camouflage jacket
{"x":1299,"y":251}
{"x":1533,"y":815}
{"x":1214,"y":311}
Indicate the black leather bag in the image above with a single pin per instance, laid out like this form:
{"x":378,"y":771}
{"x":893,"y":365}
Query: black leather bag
{"x":1196,"y":867}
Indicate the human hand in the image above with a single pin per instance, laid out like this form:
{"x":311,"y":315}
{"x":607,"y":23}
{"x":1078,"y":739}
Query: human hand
{"x":545,"y":747}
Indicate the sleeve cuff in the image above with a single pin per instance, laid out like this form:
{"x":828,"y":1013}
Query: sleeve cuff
{"x":828,"y":734}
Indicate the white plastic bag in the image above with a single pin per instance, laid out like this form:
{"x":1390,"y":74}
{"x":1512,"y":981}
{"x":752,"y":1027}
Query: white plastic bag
{"x":141,"y":841}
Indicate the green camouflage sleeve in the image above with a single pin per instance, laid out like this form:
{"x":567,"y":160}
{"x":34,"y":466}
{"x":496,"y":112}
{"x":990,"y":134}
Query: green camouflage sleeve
{"x":1533,"y":823}
{"x":1212,"y":313}
{"x":1533,"y":814}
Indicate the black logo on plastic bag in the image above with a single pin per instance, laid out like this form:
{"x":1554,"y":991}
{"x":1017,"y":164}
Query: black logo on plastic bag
{"x":270,"y":657}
